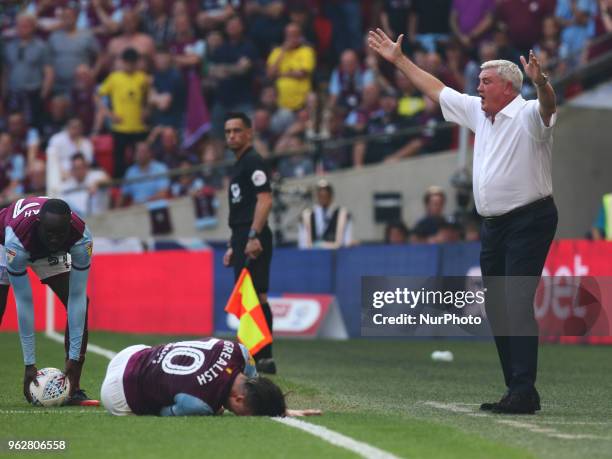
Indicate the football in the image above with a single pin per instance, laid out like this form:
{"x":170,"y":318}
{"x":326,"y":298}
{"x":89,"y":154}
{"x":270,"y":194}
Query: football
{"x":52,"y":390}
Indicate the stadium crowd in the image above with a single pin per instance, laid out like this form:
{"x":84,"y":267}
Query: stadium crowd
{"x":95,"y":90}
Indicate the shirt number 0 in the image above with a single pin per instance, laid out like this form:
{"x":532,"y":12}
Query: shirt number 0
{"x":192,"y":349}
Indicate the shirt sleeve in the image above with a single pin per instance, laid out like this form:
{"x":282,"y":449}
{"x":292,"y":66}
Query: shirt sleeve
{"x":535,"y":124}
{"x":107,"y":86}
{"x":187,"y":405}
{"x":459,"y":108}
{"x":334,"y":83}
{"x":259,"y":175}
{"x":250,"y":369}
{"x":77,"y":293}
{"x":17,"y":263}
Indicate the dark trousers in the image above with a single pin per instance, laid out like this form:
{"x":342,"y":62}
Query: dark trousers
{"x":121,"y":143}
{"x":258,"y":268}
{"x":514,"y":249}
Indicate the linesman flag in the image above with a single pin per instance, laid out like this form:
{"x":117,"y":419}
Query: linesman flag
{"x":253,"y":330}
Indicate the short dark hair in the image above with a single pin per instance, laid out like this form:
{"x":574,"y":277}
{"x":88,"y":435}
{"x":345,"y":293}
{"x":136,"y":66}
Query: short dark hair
{"x":130,"y":55}
{"x":78,"y":155}
{"x":264,"y":398}
{"x":55,"y":206}
{"x":240,"y":116}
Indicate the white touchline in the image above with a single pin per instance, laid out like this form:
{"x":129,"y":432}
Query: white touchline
{"x":335,"y":438}
{"x":460,"y":408}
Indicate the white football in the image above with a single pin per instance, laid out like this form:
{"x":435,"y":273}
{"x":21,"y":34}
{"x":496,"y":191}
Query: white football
{"x":53,"y":387}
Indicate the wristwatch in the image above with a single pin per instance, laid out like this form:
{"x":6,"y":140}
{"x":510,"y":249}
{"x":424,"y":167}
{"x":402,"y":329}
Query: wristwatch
{"x":252,"y":233}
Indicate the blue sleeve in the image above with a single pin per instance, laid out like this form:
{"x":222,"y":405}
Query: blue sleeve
{"x":249,"y":362}
{"x":17,"y":264}
{"x":77,"y":293}
{"x":600,"y":221}
{"x":187,"y":405}
{"x":164,"y":182}
{"x":334,"y":84}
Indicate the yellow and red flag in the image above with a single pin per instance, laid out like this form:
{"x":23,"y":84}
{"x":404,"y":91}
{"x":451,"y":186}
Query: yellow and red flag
{"x":253,"y":330}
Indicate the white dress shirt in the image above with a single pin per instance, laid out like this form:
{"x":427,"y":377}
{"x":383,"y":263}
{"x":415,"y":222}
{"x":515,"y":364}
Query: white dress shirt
{"x":512,"y":156}
{"x":59,"y":156}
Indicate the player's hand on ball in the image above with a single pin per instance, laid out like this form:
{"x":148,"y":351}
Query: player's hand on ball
{"x":227,"y":257}
{"x":29,"y":377}
{"x":253,"y":248}
{"x":299,"y":413}
{"x":71,"y":372}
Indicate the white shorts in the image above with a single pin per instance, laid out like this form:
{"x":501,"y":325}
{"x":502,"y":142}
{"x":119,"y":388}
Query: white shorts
{"x":112,"y":393}
{"x":44,"y":267}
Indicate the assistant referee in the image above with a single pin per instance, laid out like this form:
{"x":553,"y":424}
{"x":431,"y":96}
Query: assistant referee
{"x":250,"y":202}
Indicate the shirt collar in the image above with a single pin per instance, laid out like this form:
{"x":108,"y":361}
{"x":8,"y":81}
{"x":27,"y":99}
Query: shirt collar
{"x":513,"y":107}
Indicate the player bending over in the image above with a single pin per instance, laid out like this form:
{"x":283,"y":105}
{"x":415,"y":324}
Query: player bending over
{"x":200,"y":377}
{"x":44,"y":234}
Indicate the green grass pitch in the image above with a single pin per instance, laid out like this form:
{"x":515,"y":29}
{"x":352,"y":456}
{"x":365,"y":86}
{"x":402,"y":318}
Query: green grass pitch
{"x":389,"y":394}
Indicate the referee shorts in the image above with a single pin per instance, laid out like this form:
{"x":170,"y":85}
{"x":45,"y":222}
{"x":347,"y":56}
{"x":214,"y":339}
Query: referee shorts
{"x":260,"y":267}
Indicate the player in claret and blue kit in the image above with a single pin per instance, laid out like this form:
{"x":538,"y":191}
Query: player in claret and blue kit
{"x":199,"y":377}
{"x":46,"y":235}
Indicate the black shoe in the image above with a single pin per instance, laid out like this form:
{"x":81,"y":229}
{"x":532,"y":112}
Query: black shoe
{"x":80,"y":398}
{"x":267,"y":366}
{"x":517,"y":403}
{"x":490,"y":406}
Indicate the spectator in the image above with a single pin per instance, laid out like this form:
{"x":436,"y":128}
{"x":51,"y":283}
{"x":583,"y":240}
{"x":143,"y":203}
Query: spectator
{"x":81,"y":190}
{"x":149,"y":190}
{"x":103,"y":19}
{"x":577,"y":17}
{"x":472,"y":230}
{"x":26,"y":139}
{"x":357,"y":120}
{"x":55,"y":119}
{"x":280,"y":118}
{"x":188,"y":183}
{"x":524,"y":21}
{"x":164,"y":142}
{"x":127,"y":90}
{"x":131,"y":38}
{"x":324,"y":225}
{"x":62,"y":147}
{"x":35,"y":181}
{"x":12,"y":171}
{"x":214,"y":13}
{"x":471,"y":20}
{"x":213,"y":173}
{"x":396,"y":232}
{"x":263,"y":137}
{"x":550,"y":43}
{"x":337,"y":156}
{"x":27,"y":71}
{"x":70,"y":48}
{"x":296,"y":162}
{"x":348,"y":80}
{"x":266,"y":22}
{"x":602,"y":226}
{"x":187,"y":50}
{"x":345,"y":16}
{"x":410,"y":102}
{"x":389,"y":145}
{"x":232,"y":65}
{"x":157,"y":23}
{"x":291,"y":66}
{"x":505,"y":49}
{"x":167,"y":95}
{"x":448,"y":233}
{"x":394,"y":16}
{"x":83,"y":97}
{"x":434,"y":201}
{"x":429,"y":23}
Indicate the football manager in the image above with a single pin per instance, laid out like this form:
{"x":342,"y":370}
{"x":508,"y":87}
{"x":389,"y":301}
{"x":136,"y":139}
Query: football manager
{"x":512,"y":188}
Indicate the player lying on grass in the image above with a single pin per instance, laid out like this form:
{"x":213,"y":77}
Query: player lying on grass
{"x":199,"y":377}
{"x":47,"y":236}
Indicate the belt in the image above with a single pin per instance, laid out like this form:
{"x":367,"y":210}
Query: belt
{"x":540,"y":203}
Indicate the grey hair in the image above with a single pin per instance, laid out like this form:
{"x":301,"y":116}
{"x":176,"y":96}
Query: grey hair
{"x":508,"y":71}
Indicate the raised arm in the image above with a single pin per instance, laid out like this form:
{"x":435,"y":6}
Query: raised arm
{"x":546,"y":93}
{"x":392,"y":51}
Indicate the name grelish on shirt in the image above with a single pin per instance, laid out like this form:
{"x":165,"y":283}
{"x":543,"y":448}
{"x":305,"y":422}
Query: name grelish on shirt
{"x":217,"y":369}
